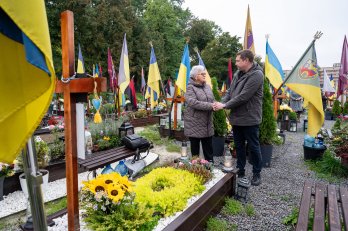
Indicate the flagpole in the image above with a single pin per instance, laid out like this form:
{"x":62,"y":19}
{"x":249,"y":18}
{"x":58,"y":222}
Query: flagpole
{"x":317,"y":35}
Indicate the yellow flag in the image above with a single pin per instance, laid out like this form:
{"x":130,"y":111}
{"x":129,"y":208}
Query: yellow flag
{"x":27,"y":77}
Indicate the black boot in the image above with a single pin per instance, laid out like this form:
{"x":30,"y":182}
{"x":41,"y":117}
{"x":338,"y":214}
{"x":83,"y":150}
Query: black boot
{"x":256,"y":180}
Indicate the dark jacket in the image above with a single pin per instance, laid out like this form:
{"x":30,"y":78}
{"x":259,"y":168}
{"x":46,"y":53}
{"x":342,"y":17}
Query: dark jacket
{"x":198,"y":116}
{"x":244,"y":97}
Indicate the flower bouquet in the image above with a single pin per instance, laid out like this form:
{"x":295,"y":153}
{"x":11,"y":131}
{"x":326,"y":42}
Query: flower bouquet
{"x":6,"y":170}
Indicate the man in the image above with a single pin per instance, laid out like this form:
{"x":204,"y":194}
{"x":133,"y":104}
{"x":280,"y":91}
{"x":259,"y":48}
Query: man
{"x":244,"y":98}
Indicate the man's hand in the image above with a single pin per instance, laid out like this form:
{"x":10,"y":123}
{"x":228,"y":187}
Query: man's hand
{"x":218,"y":106}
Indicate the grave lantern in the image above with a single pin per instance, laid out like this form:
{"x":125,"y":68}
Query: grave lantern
{"x":183,"y":150}
{"x":163,"y":121}
{"x":125,"y":129}
{"x":293,"y":126}
{"x":243,"y":186}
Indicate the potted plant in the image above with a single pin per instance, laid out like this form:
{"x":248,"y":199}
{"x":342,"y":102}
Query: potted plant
{"x":220,"y":125}
{"x":268,"y":126}
{"x":5,"y":171}
{"x":336,"y":109}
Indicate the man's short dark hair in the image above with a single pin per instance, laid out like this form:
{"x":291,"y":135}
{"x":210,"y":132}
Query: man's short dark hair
{"x":246,"y":54}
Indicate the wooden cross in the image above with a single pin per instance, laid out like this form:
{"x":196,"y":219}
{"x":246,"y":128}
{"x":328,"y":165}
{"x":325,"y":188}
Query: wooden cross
{"x":74,"y":91}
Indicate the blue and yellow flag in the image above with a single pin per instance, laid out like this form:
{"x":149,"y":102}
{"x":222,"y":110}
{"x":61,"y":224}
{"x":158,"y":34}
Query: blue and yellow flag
{"x":153,"y":80}
{"x":27,"y":77}
{"x":207,"y":77}
{"x":273,"y":68}
{"x":81,"y":72}
{"x":184,"y":70}
{"x":123,"y":70}
{"x":248,"y":35}
{"x":304,"y":80}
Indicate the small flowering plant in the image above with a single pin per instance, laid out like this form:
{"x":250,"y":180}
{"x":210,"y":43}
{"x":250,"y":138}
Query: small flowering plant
{"x":6,"y":170}
{"x":108,"y":202}
{"x":199,"y":167}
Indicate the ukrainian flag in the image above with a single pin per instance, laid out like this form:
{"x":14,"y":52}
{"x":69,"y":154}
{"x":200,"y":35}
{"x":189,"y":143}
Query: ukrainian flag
{"x":153,"y":79}
{"x":27,"y":77}
{"x":273,"y":68}
{"x":81,"y":72}
{"x":123,"y":73}
{"x":207,"y":77}
{"x":184,"y":71}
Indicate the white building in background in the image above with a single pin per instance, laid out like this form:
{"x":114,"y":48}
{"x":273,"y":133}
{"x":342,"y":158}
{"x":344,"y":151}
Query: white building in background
{"x":329,"y":70}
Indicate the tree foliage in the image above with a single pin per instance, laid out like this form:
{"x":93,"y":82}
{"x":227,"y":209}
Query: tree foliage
{"x":219,"y":117}
{"x":268,"y":126}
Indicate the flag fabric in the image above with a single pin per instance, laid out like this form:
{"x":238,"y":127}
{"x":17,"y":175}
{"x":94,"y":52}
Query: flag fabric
{"x":223,"y":88}
{"x":168,"y":87}
{"x":327,"y":87}
{"x":153,"y":80}
{"x":273,"y":68}
{"x":100,"y":71}
{"x":96,"y":72}
{"x":111,"y":71}
{"x":184,"y":70}
{"x":304,"y":80}
{"x":123,"y":70}
{"x":248,"y":35}
{"x":132,"y":96}
{"x":230,"y":73}
{"x":27,"y":77}
{"x":207,"y":77}
{"x":143,"y":83}
{"x":81,"y":72}
{"x":343,"y":72}
{"x":93,"y":68}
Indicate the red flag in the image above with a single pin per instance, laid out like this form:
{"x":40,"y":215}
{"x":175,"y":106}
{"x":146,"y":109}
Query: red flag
{"x":111,"y":71}
{"x":133,"y":97}
{"x":230,"y":73}
{"x":342,"y":80}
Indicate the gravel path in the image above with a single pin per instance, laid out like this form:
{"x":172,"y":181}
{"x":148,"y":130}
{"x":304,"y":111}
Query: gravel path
{"x":281,"y":186}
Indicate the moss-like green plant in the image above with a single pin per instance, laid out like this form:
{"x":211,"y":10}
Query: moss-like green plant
{"x":268,"y":126}
{"x":216,"y":224}
{"x":249,"y":210}
{"x":219,"y":117}
{"x":232,"y":207}
{"x":336,"y":109}
{"x":160,"y":189}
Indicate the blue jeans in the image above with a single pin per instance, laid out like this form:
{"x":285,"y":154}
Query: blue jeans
{"x":251,"y":135}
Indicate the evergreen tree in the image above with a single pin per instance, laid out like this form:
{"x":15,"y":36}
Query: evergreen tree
{"x":336,"y":109}
{"x":219,"y":117}
{"x":345,"y":108}
{"x":268,"y":126}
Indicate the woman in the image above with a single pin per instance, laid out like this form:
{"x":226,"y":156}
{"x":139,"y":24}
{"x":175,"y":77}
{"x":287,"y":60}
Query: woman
{"x":198,"y":116}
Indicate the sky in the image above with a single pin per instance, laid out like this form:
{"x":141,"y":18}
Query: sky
{"x":291,"y":25}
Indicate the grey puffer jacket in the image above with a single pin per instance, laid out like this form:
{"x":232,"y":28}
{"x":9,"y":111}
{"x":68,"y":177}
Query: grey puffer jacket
{"x":244,"y":97}
{"x":198,"y":116}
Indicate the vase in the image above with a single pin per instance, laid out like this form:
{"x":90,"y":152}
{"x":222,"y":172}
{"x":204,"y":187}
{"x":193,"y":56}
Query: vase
{"x":121,"y":168}
{"x":2,"y":178}
{"x":108,"y":169}
{"x":23,"y":181}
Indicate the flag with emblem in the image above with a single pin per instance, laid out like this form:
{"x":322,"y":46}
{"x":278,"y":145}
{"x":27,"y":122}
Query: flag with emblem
{"x":304,"y":80}
{"x":248,"y":35}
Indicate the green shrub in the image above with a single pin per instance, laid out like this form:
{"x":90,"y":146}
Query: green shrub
{"x":268,"y":126}
{"x":336,"y":109}
{"x":249,"y":210}
{"x":292,"y":115}
{"x":345,"y":108}
{"x":219,"y":117}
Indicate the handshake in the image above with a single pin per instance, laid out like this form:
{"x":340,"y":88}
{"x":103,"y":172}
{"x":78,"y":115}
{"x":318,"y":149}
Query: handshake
{"x":218,"y":106}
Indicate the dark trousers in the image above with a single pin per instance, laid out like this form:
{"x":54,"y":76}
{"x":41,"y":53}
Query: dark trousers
{"x":207,"y":146}
{"x":251,"y":135}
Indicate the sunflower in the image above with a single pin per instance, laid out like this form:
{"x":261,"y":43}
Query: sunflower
{"x":115,"y":193}
{"x":96,"y":185}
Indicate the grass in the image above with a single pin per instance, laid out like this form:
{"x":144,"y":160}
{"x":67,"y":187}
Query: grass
{"x":249,"y":210}
{"x":151,"y":133}
{"x":216,"y":224}
{"x":232,"y":207}
{"x":328,"y":168}
{"x":56,"y":205}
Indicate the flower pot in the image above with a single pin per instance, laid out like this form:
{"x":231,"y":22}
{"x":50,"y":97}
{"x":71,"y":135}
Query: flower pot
{"x":2,"y":178}
{"x":313,"y":153}
{"x":23,"y":181}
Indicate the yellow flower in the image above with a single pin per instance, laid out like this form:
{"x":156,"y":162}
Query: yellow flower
{"x":115,"y":193}
{"x":95,"y":185}
{"x":106,"y":138}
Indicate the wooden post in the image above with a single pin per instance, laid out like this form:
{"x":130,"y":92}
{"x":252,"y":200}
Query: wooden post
{"x":74,"y":91}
